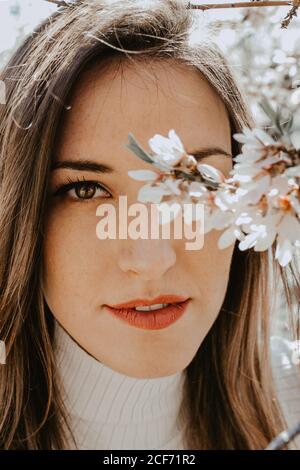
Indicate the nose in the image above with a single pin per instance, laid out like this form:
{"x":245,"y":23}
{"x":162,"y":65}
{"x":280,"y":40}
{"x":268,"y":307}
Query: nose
{"x":148,"y":258}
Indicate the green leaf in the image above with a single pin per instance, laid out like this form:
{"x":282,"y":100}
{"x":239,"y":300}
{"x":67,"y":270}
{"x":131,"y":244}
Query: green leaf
{"x":289,"y":124}
{"x":278,"y":124}
{"x":135,"y":147}
{"x":267,"y":108}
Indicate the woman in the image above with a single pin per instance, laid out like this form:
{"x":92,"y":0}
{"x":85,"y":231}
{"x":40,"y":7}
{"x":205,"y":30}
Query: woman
{"x":77,"y":375}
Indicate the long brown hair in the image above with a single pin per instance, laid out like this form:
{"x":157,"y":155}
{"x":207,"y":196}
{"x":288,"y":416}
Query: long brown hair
{"x":228,"y":400}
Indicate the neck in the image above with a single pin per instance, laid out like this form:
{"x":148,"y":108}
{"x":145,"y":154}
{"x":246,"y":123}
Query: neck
{"x":109,"y":410}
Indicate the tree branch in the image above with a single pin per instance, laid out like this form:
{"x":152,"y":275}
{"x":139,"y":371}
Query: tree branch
{"x":60,"y":3}
{"x":253,"y":3}
{"x":270,"y":3}
{"x":295,"y":4}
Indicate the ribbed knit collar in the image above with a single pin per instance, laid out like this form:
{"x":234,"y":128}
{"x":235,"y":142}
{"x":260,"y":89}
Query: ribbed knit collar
{"x":109,"y":410}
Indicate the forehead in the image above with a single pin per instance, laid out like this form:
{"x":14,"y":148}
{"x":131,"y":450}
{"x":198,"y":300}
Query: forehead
{"x":112,"y":99}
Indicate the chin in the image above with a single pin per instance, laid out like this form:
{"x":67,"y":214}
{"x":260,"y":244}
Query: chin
{"x":150,"y":371}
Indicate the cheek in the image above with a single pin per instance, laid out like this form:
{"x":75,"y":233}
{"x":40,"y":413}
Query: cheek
{"x":209,"y":270}
{"x":70,"y":261}
{"x":207,"y":273}
{"x":218,"y":264}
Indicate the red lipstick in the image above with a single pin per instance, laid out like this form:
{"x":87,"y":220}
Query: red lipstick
{"x":151,"y":319}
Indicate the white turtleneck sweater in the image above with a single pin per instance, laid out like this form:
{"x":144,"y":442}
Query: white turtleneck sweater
{"x":110,"y":411}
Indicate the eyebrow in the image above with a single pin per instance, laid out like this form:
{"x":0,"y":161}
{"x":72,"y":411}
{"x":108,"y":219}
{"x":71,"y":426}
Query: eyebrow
{"x":91,"y":165}
{"x":83,"y":165}
{"x":208,"y":151}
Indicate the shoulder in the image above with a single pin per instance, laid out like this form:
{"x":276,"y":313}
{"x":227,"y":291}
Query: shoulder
{"x":285,"y":358}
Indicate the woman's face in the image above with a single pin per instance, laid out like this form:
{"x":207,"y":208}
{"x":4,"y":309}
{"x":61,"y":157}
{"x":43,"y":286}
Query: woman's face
{"x":81,"y":273}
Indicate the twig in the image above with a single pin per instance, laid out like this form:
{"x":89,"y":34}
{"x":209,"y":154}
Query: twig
{"x":284,"y":438}
{"x":293,"y":12}
{"x":254,"y":3}
{"x":60,"y":3}
{"x":270,"y":3}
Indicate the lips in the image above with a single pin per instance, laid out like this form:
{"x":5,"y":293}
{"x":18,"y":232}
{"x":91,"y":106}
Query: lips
{"x":152,"y":319}
{"x":162,"y":299}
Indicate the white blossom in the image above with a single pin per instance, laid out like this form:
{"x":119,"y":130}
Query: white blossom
{"x":143,"y":175}
{"x":258,"y":205}
{"x":210,"y":173}
{"x":169,"y":149}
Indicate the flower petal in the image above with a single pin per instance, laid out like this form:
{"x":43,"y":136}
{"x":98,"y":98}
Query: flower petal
{"x":143,"y":175}
{"x":149,"y":193}
{"x":176,"y":141}
{"x":283,"y":252}
{"x":197,"y":189}
{"x":227,"y":238}
{"x":210,"y":173}
{"x":293,"y":171}
{"x":263,"y":136}
{"x":249,"y":241}
{"x":266,"y":240}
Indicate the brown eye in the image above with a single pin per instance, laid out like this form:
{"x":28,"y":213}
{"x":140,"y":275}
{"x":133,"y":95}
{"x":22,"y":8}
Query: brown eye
{"x":83,"y":190}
